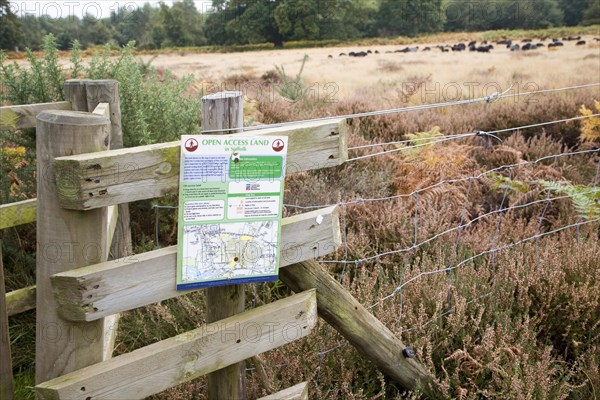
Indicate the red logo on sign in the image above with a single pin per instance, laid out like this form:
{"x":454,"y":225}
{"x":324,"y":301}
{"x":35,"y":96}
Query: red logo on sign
{"x":278,"y":145}
{"x":191,"y":145}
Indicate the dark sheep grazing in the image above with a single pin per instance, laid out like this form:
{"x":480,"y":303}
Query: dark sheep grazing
{"x":459,"y":47}
{"x":369,"y":52}
{"x":580,"y":43}
{"x":472,"y":43}
{"x":358,"y":54}
{"x":515,"y":47}
{"x":596,"y":39}
{"x":529,"y":46}
{"x":555,"y":44}
{"x":555,"y":40}
{"x":376,"y":51}
{"x":505,"y":42}
{"x":330,"y":56}
{"x":426,"y":49}
{"x":541,"y":45}
{"x":485,"y":49}
{"x":352,"y":54}
{"x":526,"y":41}
{"x":342,"y":54}
{"x":408,"y":50}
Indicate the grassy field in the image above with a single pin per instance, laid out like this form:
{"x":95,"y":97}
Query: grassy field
{"x":523,"y":324}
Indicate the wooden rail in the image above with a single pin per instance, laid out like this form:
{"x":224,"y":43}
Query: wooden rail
{"x":96,"y":291}
{"x":101,"y":179}
{"x":23,"y":117}
{"x":20,"y":300}
{"x":161,"y":365}
{"x":18,"y":213}
{"x":296,"y":392}
{"x":366,"y":333}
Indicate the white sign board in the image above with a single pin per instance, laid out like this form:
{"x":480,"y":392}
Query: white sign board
{"x":230,"y":202}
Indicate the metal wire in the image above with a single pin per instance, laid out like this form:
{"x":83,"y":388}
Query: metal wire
{"x":360,"y":200}
{"x":465,"y":135}
{"x":499,"y":211}
{"x":487,"y":99}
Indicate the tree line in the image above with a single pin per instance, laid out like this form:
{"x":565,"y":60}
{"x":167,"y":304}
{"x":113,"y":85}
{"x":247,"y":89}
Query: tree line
{"x":231,"y":22}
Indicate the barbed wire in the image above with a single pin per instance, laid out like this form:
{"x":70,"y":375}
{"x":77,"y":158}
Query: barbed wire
{"x":488,"y":99}
{"x":361,"y":200}
{"x":465,"y":135}
{"x":485,"y":252}
{"x":451,"y":268}
{"x":456,"y":228}
{"x":462,"y":135}
{"x":432,"y":142}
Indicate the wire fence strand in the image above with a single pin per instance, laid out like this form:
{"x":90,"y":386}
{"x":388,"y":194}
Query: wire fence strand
{"x":487,"y":99}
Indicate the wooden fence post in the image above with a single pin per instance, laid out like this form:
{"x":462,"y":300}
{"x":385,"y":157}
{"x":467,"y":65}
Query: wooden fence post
{"x":85,"y":95}
{"x":225,"y":110}
{"x":66,"y":240}
{"x":75,"y":93}
{"x":6,"y":376}
{"x":353,"y":321}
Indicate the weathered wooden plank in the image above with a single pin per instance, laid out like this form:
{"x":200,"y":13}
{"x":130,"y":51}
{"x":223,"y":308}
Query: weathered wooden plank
{"x":6,"y":375}
{"x":296,"y":392}
{"x":161,"y":365}
{"x":96,"y":291}
{"x":125,"y":175}
{"x":20,"y":300}
{"x":18,"y":213}
{"x":66,"y":239}
{"x":22,"y":117}
{"x":353,"y":321}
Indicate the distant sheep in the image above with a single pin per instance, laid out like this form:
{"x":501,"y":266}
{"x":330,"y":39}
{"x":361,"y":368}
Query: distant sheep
{"x":485,"y":49}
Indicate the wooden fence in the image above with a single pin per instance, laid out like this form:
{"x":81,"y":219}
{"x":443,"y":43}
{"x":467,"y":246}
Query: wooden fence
{"x":87,"y":275}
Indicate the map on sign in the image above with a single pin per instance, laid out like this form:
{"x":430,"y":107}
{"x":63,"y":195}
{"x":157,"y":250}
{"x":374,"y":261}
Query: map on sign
{"x":230,"y":201}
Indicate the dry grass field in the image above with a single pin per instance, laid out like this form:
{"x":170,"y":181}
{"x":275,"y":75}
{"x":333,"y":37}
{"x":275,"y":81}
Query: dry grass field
{"x":352,"y":76}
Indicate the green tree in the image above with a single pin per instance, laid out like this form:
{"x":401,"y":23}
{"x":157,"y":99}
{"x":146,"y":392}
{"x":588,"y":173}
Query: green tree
{"x":317,"y":19}
{"x":10,"y":28}
{"x":252,"y":22}
{"x":298,"y":19}
{"x":501,"y":14}
{"x":591,"y":15}
{"x":192,"y":22}
{"x":133,"y":25}
{"x":409,"y":17}
{"x":573,"y":10}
